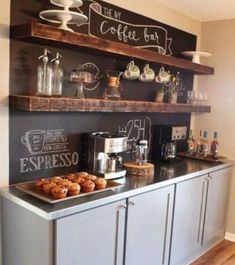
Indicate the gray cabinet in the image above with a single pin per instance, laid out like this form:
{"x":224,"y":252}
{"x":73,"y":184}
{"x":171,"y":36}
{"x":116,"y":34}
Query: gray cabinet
{"x":94,"y":237}
{"x":170,"y":225}
{"x":27,"y":238}
{"x":217,"y":197}
{"x":97,"y":236}
{"x":148,"y":229}
{"x":199,"y":215}
{"x":190,"y":201}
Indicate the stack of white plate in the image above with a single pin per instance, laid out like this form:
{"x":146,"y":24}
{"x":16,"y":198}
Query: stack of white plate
{"x":196,"y":55}
{"x":64,"y":17}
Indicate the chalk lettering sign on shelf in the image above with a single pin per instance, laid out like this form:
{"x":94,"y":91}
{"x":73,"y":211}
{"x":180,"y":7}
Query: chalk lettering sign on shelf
{"x":47,"y":149}
{"x":135,"y":130}
{"x":107,"y":23}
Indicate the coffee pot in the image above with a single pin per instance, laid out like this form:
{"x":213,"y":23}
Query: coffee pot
{"x":114,"y":163}
{"x":114,"y":88}
{"x":168,"y":150}
{"x":109,"y":162}
{"x":167,"y":140}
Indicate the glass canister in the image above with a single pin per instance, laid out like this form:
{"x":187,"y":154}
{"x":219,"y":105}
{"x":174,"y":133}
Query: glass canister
{"x":141,"y":152}
{"x":113,"y":89}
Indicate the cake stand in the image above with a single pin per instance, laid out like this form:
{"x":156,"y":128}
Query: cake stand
{"x":196,"y":55}
{"x":66,"y":4}
{"x":85,"y":79}
{"x":63,"y":17}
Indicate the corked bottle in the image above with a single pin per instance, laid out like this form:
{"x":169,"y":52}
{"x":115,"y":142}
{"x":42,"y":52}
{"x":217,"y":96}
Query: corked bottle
{"x":44,"y":76}
{"x":58,"y":75}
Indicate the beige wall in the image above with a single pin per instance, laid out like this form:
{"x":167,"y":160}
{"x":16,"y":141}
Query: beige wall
{"x":4,"y":90}
{"x":219,"y":39}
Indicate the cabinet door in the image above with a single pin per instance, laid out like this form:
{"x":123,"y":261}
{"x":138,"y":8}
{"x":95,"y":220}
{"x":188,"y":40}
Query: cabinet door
{"x":190,"y":199}
{"x":148,"y":227}
{"x":93,"y":237}
{"x":216,"y":206}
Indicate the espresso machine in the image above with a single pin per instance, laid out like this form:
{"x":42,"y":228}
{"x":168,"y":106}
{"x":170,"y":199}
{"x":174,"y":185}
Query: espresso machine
{"x":104,"y":154}
{"x":166,"y":141}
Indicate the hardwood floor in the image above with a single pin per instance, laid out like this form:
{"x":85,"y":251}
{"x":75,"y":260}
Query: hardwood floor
{"x":222,"y":254}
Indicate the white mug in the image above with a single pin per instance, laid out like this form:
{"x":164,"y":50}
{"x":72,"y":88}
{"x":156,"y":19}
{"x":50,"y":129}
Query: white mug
{"x":148,"y":74}
{"x":132,"y":71}
{"x":163,"y":76}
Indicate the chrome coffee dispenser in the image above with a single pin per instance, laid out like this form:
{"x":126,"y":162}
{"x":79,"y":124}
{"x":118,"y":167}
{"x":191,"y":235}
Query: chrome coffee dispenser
{"x":167,"y":141}
{"x":104,"y":157}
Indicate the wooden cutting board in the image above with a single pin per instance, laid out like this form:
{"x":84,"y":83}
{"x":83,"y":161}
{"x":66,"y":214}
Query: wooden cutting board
{"x":135,"y":169}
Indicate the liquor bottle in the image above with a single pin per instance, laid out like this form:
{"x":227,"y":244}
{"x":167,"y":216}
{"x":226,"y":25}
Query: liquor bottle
{"x":191,"y":144}
{"x":44,"y":76}
{"x":215,"y":146}
{"x":199,"y":145}
{"x":57,"y":76}
{"x":205,"y":145}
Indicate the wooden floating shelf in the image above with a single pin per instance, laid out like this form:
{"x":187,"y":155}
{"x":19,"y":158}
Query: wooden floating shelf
{"x":63,"y":104}
{"x":35,"y":32}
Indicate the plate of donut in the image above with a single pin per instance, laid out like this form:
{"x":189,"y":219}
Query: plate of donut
{"x":70,"y":186}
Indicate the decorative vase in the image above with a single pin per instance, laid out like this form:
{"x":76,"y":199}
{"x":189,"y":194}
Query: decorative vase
{"x":172,"y":98}
{"x":159,"y":97}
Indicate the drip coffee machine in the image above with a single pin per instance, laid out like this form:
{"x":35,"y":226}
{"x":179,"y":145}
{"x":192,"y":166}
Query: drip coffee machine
{"x":167,"y":139}
{"x":104,"y":157}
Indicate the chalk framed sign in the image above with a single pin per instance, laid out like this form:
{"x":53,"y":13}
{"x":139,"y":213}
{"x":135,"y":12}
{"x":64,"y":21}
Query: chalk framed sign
{"x":113,"y":23}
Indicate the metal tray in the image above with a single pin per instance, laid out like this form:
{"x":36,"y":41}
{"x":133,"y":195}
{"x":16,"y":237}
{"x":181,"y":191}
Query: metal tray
{"x":28,"y":187}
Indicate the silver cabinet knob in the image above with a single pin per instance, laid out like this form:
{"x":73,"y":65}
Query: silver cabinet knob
{"x":124,"y":206}
{"x":131,"y":203}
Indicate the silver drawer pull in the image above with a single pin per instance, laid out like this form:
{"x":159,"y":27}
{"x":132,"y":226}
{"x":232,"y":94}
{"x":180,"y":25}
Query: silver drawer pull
{"x":132,"y":203}
{"x":124,"y":206}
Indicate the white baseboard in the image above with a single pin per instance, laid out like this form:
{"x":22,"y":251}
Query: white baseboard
{"x":230,"y":236}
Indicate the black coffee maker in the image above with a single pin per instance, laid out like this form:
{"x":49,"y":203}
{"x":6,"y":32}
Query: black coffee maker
{"x":166,"y":140}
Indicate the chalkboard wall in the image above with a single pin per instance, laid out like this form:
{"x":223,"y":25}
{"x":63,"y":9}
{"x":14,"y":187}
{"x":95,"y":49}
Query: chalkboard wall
{"x":61,"y":135}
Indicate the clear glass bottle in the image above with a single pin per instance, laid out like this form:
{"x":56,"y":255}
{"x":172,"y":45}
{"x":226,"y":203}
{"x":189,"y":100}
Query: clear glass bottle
{"x":205,"y":145}
{"x":215,"y":146}
{"x":191,"y":144}
{"x":44,"y":76}
{"x":58,"y":76}
{"x":199,"y":145}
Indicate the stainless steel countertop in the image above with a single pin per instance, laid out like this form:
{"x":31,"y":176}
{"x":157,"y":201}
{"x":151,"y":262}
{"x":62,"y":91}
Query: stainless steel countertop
{"x":165,"y":174}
